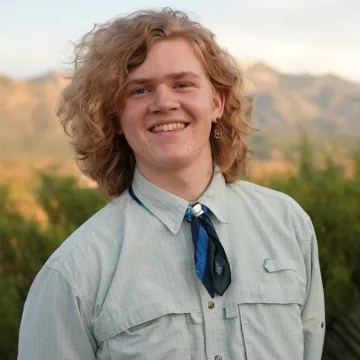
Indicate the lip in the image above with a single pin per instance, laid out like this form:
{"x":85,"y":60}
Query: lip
{"x":167,"y":122}
{"x":168,"y":133}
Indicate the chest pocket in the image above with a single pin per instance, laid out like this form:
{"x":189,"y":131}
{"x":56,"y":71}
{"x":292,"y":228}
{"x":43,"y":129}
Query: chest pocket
{"x":148,"y":332}
{"x":267,"y":313}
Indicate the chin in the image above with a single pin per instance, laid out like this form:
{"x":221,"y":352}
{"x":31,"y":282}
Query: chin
{"x":173,"y":162}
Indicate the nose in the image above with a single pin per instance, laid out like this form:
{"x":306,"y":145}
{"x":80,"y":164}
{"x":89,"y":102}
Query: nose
{"x":163,"y":100}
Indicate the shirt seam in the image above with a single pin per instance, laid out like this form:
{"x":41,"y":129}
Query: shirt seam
{"x":296,"y":209}
{"x":307,"y":239}
{"x":77,"y":292}
{"x":61,"y":262}
{"x":264,"y":192}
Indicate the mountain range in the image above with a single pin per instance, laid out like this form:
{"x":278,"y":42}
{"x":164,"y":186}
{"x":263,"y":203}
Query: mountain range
{"x":326,"y":104}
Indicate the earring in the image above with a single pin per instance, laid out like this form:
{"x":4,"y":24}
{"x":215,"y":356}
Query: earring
{"x":218,"y":133}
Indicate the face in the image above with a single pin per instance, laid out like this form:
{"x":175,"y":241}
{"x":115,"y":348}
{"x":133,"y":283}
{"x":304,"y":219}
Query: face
{"x":170,"y":105}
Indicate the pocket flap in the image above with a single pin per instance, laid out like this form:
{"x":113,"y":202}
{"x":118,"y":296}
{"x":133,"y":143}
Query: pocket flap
{"x":114,"y":321}
{"x":272,"y":265}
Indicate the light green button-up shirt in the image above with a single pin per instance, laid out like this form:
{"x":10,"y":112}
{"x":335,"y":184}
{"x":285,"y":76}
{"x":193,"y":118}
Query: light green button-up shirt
{"x":124,"y":286}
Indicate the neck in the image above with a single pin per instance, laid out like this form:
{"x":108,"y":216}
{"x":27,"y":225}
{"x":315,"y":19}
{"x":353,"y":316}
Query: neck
{"x":188,"y":183}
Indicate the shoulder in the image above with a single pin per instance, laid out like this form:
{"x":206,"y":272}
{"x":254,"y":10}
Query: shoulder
{"x":83,"y":248}
{"x":87,"y":259}
{"x":273,"y":210}
{"x":262,"y":195}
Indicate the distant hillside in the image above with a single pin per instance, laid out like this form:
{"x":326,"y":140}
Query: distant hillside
{"x":28,"y":124}
{"x":324,"y":104}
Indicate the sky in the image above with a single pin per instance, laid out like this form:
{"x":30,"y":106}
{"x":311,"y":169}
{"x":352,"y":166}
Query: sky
{"x":297,"y":36}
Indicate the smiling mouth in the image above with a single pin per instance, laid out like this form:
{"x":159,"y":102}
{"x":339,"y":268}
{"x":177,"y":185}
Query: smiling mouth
{"x":168,"y":127}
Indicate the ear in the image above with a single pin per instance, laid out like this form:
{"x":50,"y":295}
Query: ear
{"x":117,"y":124}
{"x":218,"y":104}
{"x":118,"y":130}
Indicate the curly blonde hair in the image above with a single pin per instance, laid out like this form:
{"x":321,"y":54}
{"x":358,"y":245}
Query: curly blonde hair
{"x":93,"y":100}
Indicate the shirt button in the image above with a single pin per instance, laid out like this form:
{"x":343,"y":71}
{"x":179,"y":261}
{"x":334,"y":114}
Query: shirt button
{"x":218,"y":357}
{"x":211,"y":306}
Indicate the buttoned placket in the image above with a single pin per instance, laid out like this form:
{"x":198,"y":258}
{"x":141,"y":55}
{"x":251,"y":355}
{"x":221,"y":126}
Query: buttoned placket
{"x":213,"y":315}
{"x":215,"y":335}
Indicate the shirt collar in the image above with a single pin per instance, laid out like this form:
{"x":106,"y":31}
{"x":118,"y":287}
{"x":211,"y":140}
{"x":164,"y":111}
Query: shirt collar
{"x":170,"y":209}
{"x":214,"y":197}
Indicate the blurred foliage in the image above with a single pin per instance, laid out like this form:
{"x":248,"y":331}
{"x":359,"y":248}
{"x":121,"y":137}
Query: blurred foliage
{"x":330,"y":198}
{"x":333,"y":204}
{"x":25,"y":245}
{"x":332,"y":201}
{"x":342,"y":339}
{"x":66,"y":204}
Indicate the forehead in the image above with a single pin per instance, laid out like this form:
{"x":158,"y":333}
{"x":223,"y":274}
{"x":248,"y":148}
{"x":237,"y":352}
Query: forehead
{"x":169,"y":56}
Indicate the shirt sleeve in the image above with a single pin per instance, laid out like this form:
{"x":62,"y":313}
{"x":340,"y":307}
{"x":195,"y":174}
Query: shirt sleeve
{"x":52,"y":325}
{"x":313,"y":312}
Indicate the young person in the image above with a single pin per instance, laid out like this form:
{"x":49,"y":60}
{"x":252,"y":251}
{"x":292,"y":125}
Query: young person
{"x":187,"y":261}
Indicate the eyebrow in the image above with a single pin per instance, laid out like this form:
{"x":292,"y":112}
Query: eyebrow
{"x":171,"y":76}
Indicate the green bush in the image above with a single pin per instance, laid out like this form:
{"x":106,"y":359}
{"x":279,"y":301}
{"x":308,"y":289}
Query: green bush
{"x":26,"y":245}
{"x":333,"y":203}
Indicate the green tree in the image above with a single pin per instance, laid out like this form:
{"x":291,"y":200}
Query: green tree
{"x":66,"y":204}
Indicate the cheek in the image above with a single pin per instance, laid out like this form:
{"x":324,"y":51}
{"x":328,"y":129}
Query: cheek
{"x":132,"y":115}
{"x":130,"y":124}
{"x":204,"y":118}
{"x":202,"y":108}
{"x":126,"y":127}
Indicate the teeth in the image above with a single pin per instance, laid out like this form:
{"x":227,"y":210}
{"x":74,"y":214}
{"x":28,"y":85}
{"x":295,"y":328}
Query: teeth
{"x":168,"y":127}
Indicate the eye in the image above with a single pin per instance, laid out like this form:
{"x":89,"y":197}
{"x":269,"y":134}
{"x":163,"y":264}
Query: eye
{"x":183,"y":85}
{"x":138,"y":91}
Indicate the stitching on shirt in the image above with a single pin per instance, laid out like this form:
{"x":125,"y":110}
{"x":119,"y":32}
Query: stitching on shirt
{"x":248,"y":186}
{"x":59,"y":263}
{"x":295,"y":207}
{"x":271,"y":193}
{"x":85,"y":305}
{"x":120,"y":201}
